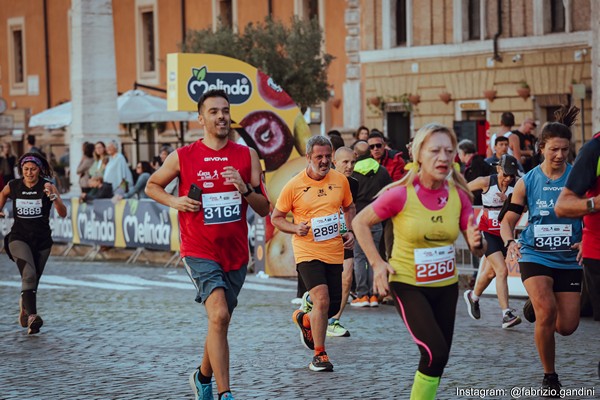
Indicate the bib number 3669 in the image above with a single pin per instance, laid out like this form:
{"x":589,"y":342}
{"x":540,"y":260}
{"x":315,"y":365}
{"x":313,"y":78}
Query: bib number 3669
{"x":434,"y":264}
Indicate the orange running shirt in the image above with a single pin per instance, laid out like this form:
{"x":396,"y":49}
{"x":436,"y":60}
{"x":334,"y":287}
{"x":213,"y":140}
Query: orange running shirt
{"x":317,"y":203}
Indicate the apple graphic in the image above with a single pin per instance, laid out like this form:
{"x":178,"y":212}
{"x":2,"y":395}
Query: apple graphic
{"x":269,"y":135}
{"x":272,"y":93}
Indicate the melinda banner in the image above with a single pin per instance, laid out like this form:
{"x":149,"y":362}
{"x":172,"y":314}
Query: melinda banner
{"x":126,"y":224}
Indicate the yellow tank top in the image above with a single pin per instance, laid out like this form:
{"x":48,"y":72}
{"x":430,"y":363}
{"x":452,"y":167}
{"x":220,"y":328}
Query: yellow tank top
{"x":423,"y":252}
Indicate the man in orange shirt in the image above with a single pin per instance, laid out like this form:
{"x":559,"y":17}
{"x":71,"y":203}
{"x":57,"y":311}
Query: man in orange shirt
{"x":314,"y":198}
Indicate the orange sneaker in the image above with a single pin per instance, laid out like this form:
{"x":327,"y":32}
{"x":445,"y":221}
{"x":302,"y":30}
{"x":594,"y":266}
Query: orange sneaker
{"x":360,"y":302}
{"x":305,"y":333}
{"x":374,"y":301}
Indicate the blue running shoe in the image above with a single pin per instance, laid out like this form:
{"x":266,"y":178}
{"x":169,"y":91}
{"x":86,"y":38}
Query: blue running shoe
{"x":202,"y":391}
{"x":227,"y":396}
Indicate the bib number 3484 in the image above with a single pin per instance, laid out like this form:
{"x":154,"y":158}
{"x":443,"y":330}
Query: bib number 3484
{"x":434,"y":264}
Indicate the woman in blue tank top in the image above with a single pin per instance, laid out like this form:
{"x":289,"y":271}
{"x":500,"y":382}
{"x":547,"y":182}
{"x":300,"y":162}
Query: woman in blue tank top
{"x":548,"y":247}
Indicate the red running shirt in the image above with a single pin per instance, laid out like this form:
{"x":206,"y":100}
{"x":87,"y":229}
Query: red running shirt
{"x":218,"y":231}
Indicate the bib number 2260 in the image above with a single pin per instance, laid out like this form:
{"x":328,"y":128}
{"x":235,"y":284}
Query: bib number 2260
{"x":434,"y":264}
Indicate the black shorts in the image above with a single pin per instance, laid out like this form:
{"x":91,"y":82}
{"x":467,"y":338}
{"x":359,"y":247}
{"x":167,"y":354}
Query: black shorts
{"x":565,"y":280}
{"x":317,"y":272}
{"x":348,"y":253}
{"x":494,"y":244}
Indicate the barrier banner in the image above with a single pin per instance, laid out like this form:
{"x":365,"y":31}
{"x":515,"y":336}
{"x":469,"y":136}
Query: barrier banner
{"x":146,"y":224}
{"x":95,"y":223}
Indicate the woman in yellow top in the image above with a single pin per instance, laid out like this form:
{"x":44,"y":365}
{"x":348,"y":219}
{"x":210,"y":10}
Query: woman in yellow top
{"x":429,"y":207}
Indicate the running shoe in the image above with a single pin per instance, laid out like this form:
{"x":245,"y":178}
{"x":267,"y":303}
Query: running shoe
{"x":321,"y":363}
{"x":296,"y":300}
{"x":528,"y":311}
{"x":472,"y":305}
{"x":551,"y":386}
{"x":202,"y":391}
{"x":336,"y":329}
{"x":510,"y":319}
{"x":306,"y":305}
{"x":227,"y":396}
{"x":360,"y":302}
{"x":305,"y":333}
{"x":23,"y":317}
{"x":34,"y":323}
{"x":373,"y":301}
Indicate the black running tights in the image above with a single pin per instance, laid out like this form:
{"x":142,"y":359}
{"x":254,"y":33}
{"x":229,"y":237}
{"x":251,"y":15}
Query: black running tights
{"x":428,"y":314}
{"x":31,"y":265}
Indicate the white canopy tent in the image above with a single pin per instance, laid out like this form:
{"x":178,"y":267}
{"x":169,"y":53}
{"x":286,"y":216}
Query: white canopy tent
{"x":134,"y":106}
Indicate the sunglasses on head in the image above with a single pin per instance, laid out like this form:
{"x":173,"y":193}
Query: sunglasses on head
{"x":376,"y":146}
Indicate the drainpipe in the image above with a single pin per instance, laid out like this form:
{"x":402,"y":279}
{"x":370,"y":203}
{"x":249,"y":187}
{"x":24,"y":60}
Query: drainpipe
{"x":183,"y":26}
{"x":270,"y":7}
{"x":48,"y":99}
{"x":497,"y":55}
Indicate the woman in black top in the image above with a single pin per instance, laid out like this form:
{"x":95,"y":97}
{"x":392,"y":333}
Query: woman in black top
{"x":30,"y":240}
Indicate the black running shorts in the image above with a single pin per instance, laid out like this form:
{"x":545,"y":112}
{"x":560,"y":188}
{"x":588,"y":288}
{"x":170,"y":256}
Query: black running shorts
{"x":565,"y":280}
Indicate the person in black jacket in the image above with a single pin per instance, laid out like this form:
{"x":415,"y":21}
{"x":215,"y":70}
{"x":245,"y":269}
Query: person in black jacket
{"x":99,"y":190}
{"x":474,"y":166}
{"x":371,"y":177}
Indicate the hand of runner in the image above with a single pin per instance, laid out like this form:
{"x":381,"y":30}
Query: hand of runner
{"x":302,"y":229}
{"x":50,"y":191}
{"x":348,"y":240}
{"x":381,"y":270}
{"x":473,"y":234}
{"x":232,"y":176}
{"x":577,"y":246}
{"x":186,"y":204}
{"x":513,"y":252}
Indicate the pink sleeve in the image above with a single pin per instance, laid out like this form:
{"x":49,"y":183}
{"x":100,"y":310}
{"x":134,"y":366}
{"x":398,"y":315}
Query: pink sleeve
{"x":466,"y":209}
{"x":390,"y":202}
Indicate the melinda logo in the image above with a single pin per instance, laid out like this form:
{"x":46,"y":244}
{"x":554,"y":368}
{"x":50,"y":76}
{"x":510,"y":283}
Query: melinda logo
{"x":237,"y":86}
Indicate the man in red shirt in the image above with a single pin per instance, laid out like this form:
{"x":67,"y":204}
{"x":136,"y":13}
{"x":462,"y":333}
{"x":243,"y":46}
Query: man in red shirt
{"x":390,"y":159}
{"x":213,"y":229}
{"x":581,"y":198}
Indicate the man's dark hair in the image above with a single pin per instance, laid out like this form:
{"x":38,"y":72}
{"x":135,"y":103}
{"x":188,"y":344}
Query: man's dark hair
{"x":209,"y":94}
{"x":467,"y":146}
{"x":31,"y":140}
{"x":336,"y":141}
{"x":500,"y":139}
{"x":376,"y":134}
{"x":334,"y":132}
{"x":507,"y":119}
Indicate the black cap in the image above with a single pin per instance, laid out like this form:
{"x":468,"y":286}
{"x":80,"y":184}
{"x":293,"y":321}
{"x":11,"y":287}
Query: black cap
{"x":509,"y":165}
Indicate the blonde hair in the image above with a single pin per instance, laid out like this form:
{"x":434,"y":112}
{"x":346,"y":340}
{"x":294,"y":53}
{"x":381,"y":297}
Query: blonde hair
{"x":421,"y":136}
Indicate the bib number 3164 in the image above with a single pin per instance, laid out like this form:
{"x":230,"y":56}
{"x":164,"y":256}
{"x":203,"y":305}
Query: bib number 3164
{"x":434,"y":264}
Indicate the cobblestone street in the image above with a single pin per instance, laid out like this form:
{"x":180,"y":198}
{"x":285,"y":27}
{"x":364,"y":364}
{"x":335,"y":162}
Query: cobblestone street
{"x":115,"y":331}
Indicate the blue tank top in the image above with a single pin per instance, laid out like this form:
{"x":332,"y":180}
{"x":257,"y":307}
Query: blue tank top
{"x":547,"y":239}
